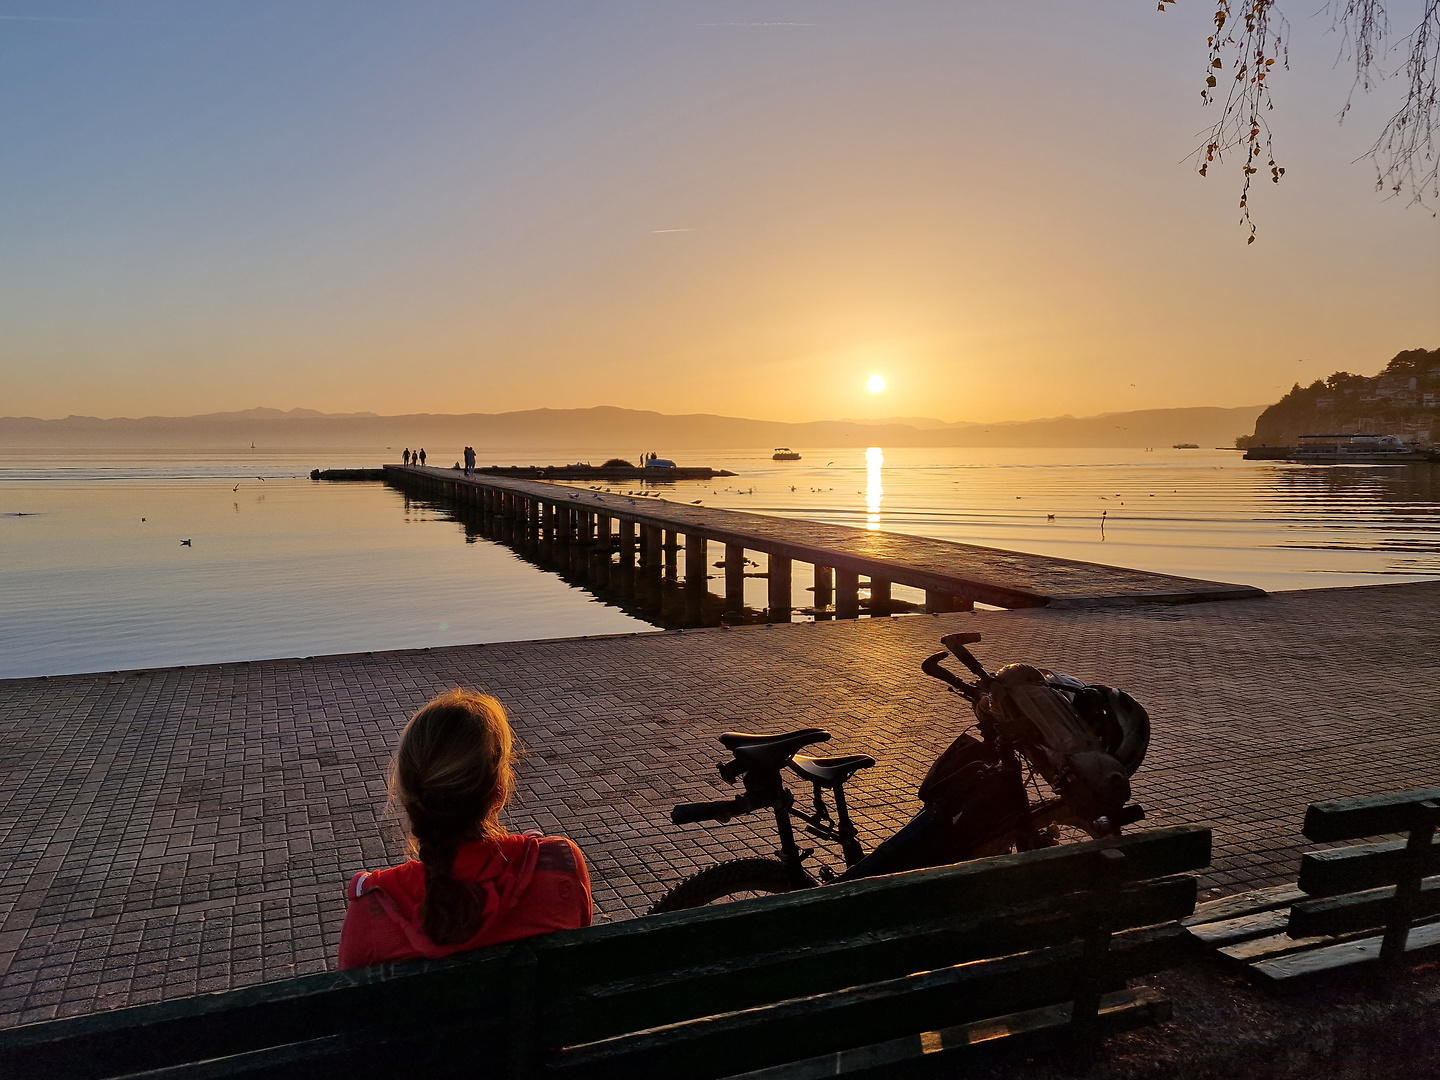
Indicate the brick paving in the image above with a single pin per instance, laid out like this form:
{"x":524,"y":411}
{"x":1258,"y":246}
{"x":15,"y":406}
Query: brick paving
{"x":190,"y":829}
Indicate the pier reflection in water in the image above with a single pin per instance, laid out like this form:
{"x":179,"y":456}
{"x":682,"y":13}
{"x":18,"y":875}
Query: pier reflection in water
{"x":660,"y":575}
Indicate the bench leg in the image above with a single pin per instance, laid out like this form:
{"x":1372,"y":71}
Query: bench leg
{"x":1407,"y":887}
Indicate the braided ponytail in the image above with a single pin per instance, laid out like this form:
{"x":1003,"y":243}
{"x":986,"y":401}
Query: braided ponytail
{"x":453,"y":774}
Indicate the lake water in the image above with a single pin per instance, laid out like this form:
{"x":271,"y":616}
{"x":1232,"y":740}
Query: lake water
{"x":93,"y":575}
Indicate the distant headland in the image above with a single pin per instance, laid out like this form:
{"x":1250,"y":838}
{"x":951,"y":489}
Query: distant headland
{"x":1402,"y":400}
{"x":621,"y":429}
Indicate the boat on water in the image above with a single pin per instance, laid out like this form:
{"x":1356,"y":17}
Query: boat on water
{"x":1357,"y":450}
{"x":784,"y":453}
{"x":1187,"y":446}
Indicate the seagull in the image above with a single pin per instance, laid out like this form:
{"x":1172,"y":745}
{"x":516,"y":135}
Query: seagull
{"x":1049,"y":517}
{"x":260,"y":478}
{"x":235,"y":488}
{"x":185,"y":543}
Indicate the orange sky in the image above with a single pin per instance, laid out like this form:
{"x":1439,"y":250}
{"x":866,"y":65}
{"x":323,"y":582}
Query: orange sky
{"x":724,"y":207}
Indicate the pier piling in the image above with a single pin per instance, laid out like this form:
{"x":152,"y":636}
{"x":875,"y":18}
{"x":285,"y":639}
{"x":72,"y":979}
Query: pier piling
{"x":824,"y":591}
{"x":847,"y":594}
{"x":672,"y":548}
{"x":625,"y":568}
{"x":734,"y":578}
{"x":697,"y":575}
{"x":779,"y":589}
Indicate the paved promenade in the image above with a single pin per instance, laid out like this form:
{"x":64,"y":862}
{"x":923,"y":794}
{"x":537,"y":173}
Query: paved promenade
{"x":186,"y":830}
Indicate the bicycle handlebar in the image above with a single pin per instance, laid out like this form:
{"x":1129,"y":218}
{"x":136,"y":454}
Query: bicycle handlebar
{"x":956,"y":644}
{"x":932,"y":668}
{"x":710,"y":811}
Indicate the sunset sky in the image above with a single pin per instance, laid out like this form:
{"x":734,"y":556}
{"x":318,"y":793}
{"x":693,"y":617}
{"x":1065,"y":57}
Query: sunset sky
{"x":744,"y":208}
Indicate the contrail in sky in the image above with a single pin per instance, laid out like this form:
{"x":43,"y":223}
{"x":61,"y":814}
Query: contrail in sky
{"x":653,"y":231}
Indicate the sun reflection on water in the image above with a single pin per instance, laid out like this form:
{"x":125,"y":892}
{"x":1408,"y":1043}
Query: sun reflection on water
{"x":874,"y":486}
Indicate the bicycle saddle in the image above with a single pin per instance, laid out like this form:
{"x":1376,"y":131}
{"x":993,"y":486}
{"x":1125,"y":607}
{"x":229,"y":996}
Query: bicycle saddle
{"x":770,"y":751}
{"x":829,"y":771}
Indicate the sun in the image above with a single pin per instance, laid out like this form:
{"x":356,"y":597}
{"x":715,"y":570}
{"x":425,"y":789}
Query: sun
{"x":875,"y":384}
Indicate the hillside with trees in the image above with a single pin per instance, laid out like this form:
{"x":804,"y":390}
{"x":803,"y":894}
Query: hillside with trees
{"x":1402,"y":400}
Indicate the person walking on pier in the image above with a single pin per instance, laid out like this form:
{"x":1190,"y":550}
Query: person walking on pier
{"x":422,"y":455}
{"x":405,"y":457}
{"x":469,"y":461}
{"x":469,"y":883}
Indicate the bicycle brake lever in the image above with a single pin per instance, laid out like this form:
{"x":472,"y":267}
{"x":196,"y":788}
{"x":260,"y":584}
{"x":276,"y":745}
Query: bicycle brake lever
{"x":932,"y":667}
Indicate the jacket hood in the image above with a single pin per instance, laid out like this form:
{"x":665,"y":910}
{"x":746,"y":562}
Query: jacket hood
{"x":501,"y":871}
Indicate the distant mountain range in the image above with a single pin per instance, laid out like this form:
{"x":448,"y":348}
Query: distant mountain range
{"x":626,"y":432}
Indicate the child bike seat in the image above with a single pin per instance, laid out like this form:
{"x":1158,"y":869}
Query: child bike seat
{"x":830,"y":771}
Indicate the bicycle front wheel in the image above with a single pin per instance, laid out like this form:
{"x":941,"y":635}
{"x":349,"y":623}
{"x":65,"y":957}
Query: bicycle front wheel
{"x":740,"y":879}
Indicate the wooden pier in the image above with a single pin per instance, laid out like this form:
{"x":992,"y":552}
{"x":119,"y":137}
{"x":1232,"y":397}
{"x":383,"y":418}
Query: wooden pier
{"x":630,"y":546}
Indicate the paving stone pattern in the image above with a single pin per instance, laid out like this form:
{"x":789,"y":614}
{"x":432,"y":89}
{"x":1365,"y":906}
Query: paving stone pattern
{"x":184,"y":830}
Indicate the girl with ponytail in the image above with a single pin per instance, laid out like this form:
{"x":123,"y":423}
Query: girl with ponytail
{"x":469,"y":883}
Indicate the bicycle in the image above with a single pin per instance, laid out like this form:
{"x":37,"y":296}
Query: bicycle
{"x":1083,"y":740}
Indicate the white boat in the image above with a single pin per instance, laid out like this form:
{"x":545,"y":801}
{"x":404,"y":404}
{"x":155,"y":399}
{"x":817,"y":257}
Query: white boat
{"x":784,"y":453}
{"x":1356,"y":450}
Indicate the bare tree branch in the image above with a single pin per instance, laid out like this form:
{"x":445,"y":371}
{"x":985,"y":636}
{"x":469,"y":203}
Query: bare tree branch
{"x":1249,"y":39}
{"x":1404,"y":154}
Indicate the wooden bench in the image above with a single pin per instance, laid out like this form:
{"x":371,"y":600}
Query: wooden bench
{"x":876,"y":977}
{"x":1374,"y":903}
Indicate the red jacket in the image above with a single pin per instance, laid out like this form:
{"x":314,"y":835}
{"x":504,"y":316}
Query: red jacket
{"x":531,"y":884}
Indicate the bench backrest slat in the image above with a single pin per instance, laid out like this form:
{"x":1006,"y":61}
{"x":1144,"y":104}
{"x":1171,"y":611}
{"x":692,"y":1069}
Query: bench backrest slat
{"x":147,"y":1037}
{"x":715,"y":1046}
{"x":964,"y":890}
{"x":599,"y":1010}
{"x":1358,"y":911}
{"x":1376,"y":815}
{"x":1359,"y":866}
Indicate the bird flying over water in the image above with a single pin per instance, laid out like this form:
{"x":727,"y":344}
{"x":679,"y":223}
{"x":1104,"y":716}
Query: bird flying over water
{"x":185,"y":543}
{"x":235,"y":488}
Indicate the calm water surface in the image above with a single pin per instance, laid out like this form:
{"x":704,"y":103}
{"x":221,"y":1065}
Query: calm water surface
{"x":93,"y":575}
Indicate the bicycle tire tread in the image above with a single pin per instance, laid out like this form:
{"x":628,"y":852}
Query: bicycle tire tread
{"x":715,"y":882}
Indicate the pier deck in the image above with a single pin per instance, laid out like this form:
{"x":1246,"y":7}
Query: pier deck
{"x":959,"y":573}
{"x":188,"y":829}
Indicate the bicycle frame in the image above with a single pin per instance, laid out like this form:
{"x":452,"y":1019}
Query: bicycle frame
{"x":836,"y":829}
